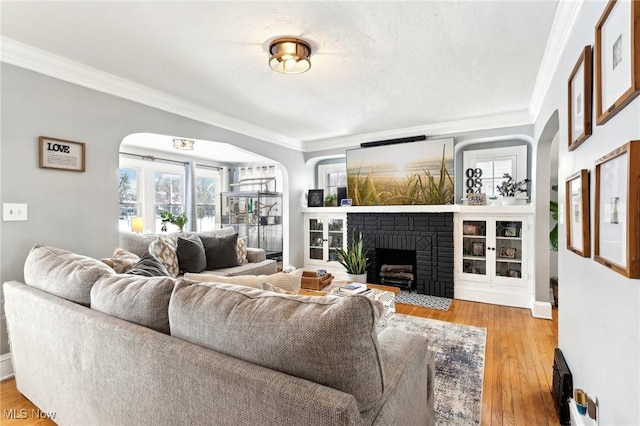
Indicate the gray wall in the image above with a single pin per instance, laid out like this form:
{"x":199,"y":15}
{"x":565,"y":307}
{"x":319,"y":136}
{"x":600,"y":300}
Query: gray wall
{"x":78,"y":211}
{"x":599,"y":310}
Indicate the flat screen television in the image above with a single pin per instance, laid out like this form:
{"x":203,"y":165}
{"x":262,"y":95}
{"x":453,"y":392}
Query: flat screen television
{"x":401,"y":174}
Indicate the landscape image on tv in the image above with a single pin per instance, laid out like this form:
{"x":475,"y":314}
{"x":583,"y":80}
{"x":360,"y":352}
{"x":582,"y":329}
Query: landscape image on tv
{"x":406,"y":173}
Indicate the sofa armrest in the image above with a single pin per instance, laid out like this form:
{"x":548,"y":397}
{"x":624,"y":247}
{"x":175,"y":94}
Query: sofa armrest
{"x":409,"y":371}
{"x":255,"y":255}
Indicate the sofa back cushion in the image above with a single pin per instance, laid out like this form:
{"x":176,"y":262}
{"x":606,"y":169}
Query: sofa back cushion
{"x":63,"y":273}
{"x":137,"y":299}
{"x":139,"y":243}
{"x":327,"y":340}
{"x":287,"y":282}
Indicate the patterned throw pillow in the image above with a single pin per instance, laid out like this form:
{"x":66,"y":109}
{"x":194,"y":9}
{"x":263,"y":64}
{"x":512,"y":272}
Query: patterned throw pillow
{"x":122,"y":261}
{"x":149,"y":266}
{"x":165,"y":251}
{"x":242,"y":250}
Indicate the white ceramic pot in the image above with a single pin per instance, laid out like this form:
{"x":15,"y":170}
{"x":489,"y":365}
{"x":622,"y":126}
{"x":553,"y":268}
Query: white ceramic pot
{"x":509,"y":201}
{"x":360,"y":278}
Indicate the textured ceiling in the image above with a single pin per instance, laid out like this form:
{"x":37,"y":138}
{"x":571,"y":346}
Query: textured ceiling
{"x":376,"y":66}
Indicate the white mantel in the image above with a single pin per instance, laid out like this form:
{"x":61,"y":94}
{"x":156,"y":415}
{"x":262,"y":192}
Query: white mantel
{"x":454,"y":208}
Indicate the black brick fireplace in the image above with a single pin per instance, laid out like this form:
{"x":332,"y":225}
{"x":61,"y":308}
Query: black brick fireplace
{"x":430,"y":235}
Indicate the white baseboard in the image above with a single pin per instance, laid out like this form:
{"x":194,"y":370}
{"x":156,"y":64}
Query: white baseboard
{"x":541,"y":310}
{"x":6,"y":366}
{"x":496,"y":298}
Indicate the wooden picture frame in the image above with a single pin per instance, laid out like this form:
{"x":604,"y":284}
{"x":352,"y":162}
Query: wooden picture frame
{"x":580,"y":99}
{"x":508,"y":253}
{"x":616,"y":58}
{"x":577,"y":213}
{"x":61,"y":154}
{"x":315,"y":198}
{"x":617,"y":210}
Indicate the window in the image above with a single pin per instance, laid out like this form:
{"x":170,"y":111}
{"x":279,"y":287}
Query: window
{"x":206,"y":196}
{"x":494,"y":163}
{"x":332,"y":176}
{"x":128,"y":190}
{"x":169,"y":190}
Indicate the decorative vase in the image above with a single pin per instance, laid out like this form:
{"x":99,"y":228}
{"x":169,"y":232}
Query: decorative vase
{"x":509,"y":201}
{"x":358,"y":278}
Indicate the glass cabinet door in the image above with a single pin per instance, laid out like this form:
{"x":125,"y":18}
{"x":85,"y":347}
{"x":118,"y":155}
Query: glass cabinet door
{"x":336,"y":232}
{"x":474,"y":246}
{"x":316,"y":239}
{"x":509,"y":249}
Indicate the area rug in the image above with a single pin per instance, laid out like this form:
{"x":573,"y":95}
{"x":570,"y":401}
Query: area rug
{"x":460,"y":352}
{"x":424,"y":300}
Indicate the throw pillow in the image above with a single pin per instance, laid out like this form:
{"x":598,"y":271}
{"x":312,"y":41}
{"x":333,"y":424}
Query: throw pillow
{"x":122,"y":261}
{"x":287,"y":333}
{"x":191,"y":256}
{"x":164,"y":250}
{"x":63,"y":273}
{"x":221,"y":252}
{"x":140,"y":300}
{"x":242,"y":250}
{"x":149,"y":266}
{"x":289,"y":283}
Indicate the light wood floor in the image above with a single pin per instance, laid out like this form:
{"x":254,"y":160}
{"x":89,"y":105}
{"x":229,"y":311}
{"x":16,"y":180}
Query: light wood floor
{"x":517,"y":374}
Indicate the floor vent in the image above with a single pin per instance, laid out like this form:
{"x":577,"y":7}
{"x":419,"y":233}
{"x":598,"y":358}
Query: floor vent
{"x":562,"y":387}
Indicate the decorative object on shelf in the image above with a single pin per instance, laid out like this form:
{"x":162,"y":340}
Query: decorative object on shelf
{"x":315,"y":198}
{"x":355,"y":259}
{"x":617,"y":210}
{"x":168,"y":217}
{"x":510,"y":188}
{"x":579,"y":104}
{"x":580,"y":397}
{"x":289,"y":55}
{"x":578,"y":225}
{"x":616,"y":57}
{"x":61,"y":154}
{"x":508,"y":252}
{"x":514,"y":273}
{"x":477,"y":199}
{"x":331,"y":200}
{"x":345,"y":202}
{"x":474,"y":180}
{"x":477,"y":248}
{"x":469,"y":229}
{"x":511,"y":230}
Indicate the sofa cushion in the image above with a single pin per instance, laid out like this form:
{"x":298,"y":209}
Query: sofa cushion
{"x":221,"y":252}
{"x":149,"y":266}
{"x":328,"y":340}
{"x":191,"y":257}
{"x":241,"y":250}
{"x":282,"y":280}
{"x":121,"y":261}
{"x":255,"y":255}
{"x":140,"y":300}
{"x":63,"y":273}
{"x":164,"y":249}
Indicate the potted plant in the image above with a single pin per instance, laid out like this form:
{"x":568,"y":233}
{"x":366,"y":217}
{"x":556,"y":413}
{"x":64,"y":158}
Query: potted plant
{"x":331,"y":200}
{"x":510,"y":188}
{"x":168,"y":217}
{"x":354,"y":259}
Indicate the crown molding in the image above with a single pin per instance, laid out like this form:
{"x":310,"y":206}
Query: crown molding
{"x":496,"y":121}
{"x":37,"y":60}
{"x":563,"y":24}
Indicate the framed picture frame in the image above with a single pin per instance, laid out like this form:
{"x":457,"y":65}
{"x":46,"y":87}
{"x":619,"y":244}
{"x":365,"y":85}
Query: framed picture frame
{"x":617,"y":61}
{"x":617,"y":210}
{"x":61,"y":154}
{"x":508,"y":252}
{"x":476,"y":199}
{"x":477,"y":248}
{"x":469,"y":229}
{"x":315,"y":198}
{"x":580,"y":97}
{"x":577,"y":213}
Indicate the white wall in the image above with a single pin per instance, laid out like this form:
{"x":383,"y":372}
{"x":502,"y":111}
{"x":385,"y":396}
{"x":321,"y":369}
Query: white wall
{"x":599,"y":312}
{"x":79,"y":211}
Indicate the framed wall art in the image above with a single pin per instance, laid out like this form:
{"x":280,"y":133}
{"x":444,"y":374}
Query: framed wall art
{"x":617,"y":207}
{"x":61,"y":154}
{"x":617,"y":58}
{"x":580,"y":96}
{"x":577,"y":211}
{"x":315,"y":198}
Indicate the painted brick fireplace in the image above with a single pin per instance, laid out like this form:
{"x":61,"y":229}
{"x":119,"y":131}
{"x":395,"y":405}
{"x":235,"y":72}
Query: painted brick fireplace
{"x":430,"y":235}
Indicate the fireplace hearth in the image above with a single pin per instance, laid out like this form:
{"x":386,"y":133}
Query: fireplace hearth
{"x":428,"y":235}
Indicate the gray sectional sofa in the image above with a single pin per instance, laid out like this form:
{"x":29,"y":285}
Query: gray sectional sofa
{"x":99,"y":348}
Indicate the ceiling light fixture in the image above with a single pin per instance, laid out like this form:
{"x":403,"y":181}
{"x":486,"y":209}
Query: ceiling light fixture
{"x":289,"y":55}
{"x":184,"y":144}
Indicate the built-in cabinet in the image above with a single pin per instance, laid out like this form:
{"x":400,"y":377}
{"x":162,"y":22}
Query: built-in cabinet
{"x":492,"y":259}
{"x":256,"y":216}
{"x":324,"y":234}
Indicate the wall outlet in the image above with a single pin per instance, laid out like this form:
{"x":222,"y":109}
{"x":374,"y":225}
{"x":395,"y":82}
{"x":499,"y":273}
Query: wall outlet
{"x":14,"y":212}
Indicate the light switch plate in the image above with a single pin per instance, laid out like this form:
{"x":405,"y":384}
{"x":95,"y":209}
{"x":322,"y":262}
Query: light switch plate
{"x":14,"y":211}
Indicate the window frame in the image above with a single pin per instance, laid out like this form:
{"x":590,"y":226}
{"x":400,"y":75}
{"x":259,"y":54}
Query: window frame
{"x":472,"y":156}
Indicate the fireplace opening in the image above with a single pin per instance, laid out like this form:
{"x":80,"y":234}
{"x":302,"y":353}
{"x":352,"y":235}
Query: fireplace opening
{"x":396,"y":267}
